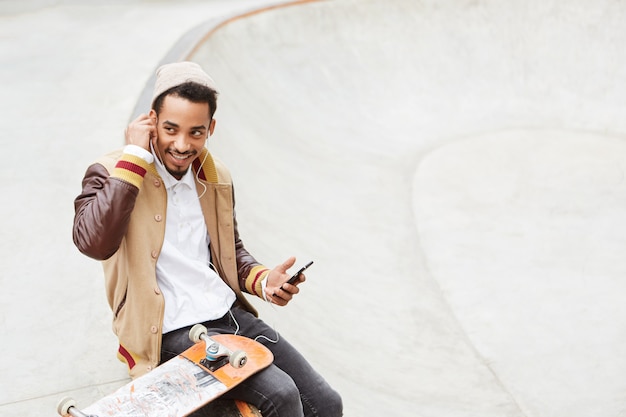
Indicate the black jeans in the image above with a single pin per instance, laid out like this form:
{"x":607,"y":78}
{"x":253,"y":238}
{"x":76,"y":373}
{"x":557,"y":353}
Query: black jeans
{"x":290,"y":387}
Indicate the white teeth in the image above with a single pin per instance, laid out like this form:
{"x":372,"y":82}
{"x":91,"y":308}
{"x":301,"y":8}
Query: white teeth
{"x":180,"y":157}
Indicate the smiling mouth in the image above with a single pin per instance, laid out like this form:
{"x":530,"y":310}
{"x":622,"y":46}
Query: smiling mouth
{"x":181,"y":156}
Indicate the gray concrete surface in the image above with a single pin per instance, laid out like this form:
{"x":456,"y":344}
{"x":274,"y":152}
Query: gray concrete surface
{"x":455,"y":169}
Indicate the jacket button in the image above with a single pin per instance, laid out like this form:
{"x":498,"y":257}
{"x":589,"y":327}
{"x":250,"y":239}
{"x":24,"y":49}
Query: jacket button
{"x":158,"y":217}
{"x":155,"y":253}
{"x":154,"y":329}
{"x":157,"y":183}
{"x":157,"y":291}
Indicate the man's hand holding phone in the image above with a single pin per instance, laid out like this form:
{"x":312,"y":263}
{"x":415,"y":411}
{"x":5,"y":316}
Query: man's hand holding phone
{"x":296,"y":277}
{"x":281,"y":287}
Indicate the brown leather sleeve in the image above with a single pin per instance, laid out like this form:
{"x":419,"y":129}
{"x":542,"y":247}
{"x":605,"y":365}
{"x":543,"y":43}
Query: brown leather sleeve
{"x":102,"y":212}
{"x":245,"y":261}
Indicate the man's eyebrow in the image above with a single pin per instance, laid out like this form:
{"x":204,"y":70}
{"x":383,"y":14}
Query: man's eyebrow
{"x":167,"y":122}
{"x":172,"y":124}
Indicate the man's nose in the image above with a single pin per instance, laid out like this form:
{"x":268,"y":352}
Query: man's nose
{"x":182,"y":144}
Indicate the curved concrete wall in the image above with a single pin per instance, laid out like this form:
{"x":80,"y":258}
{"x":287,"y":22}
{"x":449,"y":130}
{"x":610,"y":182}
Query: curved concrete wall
{"x":456,"y":170}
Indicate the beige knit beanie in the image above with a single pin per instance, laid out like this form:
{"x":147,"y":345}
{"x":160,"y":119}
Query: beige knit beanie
{"x":175,"y":74}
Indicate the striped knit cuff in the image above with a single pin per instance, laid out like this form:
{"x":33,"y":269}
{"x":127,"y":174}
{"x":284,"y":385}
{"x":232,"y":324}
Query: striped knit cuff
{"x":130,"y":168}
{"x":255,"y":278}
{"x":125,"y":356}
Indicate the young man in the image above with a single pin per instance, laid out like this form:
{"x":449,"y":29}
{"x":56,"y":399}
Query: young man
{"x":159,"y":214}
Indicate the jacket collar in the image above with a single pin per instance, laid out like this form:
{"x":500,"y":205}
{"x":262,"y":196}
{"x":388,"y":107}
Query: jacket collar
{"x":204,"y":167}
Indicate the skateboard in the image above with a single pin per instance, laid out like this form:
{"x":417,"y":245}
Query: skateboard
{"x":193,"y":379}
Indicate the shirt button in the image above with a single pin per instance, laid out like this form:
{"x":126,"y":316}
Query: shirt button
{"x":153,"y":329}
{"x":158,"y":217}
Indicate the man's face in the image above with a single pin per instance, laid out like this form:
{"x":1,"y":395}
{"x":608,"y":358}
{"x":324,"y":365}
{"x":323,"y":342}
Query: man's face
{"x":182,"y":129}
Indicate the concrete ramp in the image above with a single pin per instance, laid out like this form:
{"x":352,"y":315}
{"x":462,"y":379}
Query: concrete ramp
{"x":455,"y":169}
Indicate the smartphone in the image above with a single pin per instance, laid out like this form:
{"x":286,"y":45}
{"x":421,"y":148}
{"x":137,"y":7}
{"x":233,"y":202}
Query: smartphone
{"x":295,"y":276}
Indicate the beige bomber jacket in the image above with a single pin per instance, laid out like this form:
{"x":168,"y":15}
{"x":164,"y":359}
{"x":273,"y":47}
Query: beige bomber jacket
{"x":120,"y":220}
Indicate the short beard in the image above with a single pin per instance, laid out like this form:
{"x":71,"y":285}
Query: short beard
{"x":177,"y":174}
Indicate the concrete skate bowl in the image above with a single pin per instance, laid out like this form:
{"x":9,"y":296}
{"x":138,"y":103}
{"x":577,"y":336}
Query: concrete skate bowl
{"x":456,"y":171}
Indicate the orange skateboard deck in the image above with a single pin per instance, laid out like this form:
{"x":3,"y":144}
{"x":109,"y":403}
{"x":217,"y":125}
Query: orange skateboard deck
{"x":185,"y":383}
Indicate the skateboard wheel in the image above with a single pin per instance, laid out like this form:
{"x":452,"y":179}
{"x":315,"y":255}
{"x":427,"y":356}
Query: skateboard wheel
{"x":238,"y":359}
{"x":63,"y":407}
{"x":196,"y":332}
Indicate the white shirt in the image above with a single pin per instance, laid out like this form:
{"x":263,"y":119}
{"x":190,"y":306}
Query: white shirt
{"x":193,"y":292}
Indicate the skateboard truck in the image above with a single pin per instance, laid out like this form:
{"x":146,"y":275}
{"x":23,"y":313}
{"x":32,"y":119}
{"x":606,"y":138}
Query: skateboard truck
{"x":67,"y":407}
{"x":217,"y":355}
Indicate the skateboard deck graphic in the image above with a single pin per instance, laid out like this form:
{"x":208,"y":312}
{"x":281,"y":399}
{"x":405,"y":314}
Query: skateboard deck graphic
{"x":183,"y":384}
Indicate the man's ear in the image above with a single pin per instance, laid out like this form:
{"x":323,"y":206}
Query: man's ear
{"x":211,"y":127}
{"x":153,"y":116}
